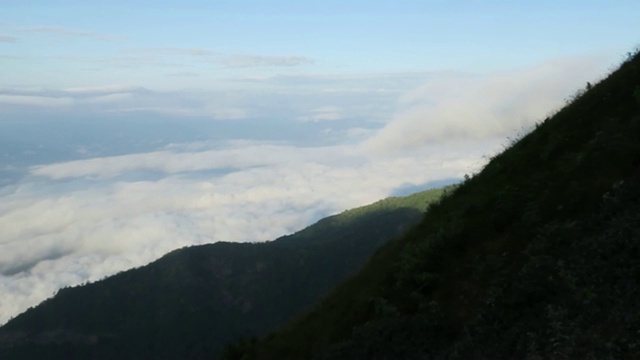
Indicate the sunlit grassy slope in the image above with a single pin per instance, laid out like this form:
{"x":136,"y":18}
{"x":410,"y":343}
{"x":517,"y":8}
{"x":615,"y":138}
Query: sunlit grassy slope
{"x":536,"y":256}
{"x":187,"y":304}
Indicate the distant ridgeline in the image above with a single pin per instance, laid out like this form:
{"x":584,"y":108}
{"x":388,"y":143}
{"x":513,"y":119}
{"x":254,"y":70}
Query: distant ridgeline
{"x":535,"y":257}
{"x":192,"y":301}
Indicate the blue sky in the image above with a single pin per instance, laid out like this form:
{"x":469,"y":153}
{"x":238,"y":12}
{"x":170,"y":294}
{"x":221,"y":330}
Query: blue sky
{"x":284,"y":60}
{"x":73,"y":43}
{"x":131,"y":128}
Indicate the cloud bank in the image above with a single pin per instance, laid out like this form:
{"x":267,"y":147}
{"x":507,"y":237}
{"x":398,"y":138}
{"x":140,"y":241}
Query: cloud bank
{"x":83,"y":220}
{"x":304,"y":99}
{"x":484,"y":106}
{"x":69,"y":222}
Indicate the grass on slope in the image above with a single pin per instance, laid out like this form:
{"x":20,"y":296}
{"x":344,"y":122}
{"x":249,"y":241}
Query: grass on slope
{"x":325,"y":229}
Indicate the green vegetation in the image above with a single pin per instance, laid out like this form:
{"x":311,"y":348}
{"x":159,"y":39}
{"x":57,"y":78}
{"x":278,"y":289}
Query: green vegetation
{"x":192,"y":301}
{"x":534,"y":257}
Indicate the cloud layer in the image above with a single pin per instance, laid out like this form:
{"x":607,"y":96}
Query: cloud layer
{"x":484,"y":106}
{"x":304,"y":98}
{"x":83,"y":220}
{"x":69,"y":222}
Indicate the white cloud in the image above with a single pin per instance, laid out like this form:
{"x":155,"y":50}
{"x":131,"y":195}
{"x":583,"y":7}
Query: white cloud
{"x":8,"y":39}
{"x":39,"y":101}
{"x":493,"y":105}
{"x":104,"y":90}
{"x":245,"y":61}
{"x":97,"y":221}
{"x":192,"y":57}
{"x":173,"y":51}
{"x":69,"y":96}
{"x":324,"y":113}
{"x":220,"y":112}
{"x":64,"y":31}
{"x":304,"y":98}
{"x":187,"y":74}
{"x":107,"y":99}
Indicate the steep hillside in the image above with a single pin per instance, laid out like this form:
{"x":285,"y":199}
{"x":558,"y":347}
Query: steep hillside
{"x":534,"y":257}
{"x":187,"y":304}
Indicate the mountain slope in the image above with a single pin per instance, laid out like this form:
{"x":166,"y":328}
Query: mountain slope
{"x":191,"y":301}
{"x":533,"y":257}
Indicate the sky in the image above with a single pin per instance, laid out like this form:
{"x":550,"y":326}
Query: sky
{"x":129,"y":129}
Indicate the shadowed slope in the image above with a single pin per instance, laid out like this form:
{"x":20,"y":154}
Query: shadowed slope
{"x":191,"y":301}
{"x":532,"y":256}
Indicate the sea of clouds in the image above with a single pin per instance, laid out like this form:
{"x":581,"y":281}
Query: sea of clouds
{"x":80,"y":218}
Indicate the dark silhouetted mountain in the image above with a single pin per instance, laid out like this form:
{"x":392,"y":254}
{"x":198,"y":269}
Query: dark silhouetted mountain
{"x":534,"y":257}
{"x":192,"y":301}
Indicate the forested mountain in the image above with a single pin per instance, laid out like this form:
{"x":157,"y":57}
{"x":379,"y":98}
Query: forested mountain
{"x":192,"y":301}
{"x":534,"y":257}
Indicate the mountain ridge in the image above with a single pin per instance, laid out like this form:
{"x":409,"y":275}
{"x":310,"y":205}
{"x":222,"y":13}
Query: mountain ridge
{"x":191,"y":301}
{"x":497,"y":269}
